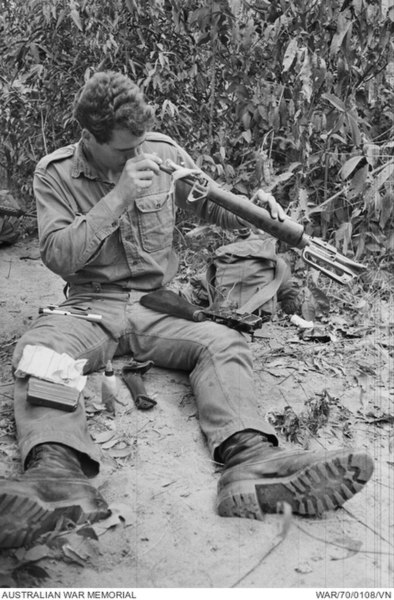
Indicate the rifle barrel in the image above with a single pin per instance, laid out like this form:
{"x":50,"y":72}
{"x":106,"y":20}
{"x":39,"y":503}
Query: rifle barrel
{"x":287,"y":231}
{"x":316,"y":253}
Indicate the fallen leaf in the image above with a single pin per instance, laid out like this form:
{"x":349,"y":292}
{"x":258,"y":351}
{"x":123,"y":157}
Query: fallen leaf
{"x":76,"y":548}
{"x":111,"y":443}
{"x":73,"y":556}
{"x":276,"y":372}
{"x":304,"y":568}
{"x":37,"y":553}
{"x":88,"y":532}
{"x":348,"y":545}
{"x":103,"y":437}
{"x":114,"y":520}
{"x":95,"y":407}
{"x":123,"y":453}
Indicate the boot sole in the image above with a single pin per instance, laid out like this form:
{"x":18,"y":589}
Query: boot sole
{"x":24,"y":518}
{"x":322,"y":486}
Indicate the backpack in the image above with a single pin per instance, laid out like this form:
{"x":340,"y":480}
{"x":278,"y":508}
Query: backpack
{"x":247,"y":275}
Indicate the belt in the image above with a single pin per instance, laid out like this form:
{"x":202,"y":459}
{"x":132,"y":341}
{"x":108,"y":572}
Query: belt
{"x":96,"y":288}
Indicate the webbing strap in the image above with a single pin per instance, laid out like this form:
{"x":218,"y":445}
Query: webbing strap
{"x":268,"y":292}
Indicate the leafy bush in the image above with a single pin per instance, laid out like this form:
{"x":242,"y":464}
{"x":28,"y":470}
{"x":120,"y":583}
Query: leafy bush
{"x":292,"y":96}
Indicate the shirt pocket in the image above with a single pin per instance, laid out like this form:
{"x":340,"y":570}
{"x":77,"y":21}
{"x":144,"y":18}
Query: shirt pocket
{"x":155,"y":215}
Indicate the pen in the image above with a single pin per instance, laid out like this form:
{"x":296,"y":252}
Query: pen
{"x":57,"y":311}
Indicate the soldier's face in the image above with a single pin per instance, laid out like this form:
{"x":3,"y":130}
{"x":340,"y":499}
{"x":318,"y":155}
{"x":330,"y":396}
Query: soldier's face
{"x":114,"y":154}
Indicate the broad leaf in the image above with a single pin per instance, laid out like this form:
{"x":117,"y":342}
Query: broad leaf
{"x":350,"y":165}
{"x":290,"y":54}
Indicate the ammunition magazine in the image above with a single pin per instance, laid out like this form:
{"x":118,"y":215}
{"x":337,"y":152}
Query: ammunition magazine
{"x":54,"y":395}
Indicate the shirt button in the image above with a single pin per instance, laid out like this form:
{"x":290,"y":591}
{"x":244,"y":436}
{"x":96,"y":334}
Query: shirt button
{"x":114,"y":223}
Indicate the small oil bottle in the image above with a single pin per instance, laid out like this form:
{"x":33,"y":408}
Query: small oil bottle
{"x":109,"y":388}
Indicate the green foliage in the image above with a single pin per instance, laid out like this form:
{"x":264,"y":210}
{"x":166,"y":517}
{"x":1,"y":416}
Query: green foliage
{"x":292,"y":96}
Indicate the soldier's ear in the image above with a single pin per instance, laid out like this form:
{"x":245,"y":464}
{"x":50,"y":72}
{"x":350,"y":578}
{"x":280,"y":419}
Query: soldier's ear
{"x":87,"y":136}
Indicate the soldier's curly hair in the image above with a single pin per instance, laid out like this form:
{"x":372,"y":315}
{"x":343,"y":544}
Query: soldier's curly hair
{"x":111,"y":101}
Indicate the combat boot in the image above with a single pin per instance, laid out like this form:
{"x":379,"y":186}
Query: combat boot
{"x":52,"y":491}
{"x":258,"y":477}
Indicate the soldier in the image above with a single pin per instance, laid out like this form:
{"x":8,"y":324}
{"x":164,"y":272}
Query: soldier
{"x":106,"y":215}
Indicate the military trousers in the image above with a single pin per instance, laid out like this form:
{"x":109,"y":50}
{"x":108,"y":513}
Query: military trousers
{"x":217,"y":359}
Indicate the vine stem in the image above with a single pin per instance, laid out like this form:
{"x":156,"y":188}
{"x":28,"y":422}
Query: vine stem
{"x":213,"y":79}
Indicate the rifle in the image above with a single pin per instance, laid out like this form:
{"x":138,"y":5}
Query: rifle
{"x":318,"y":254}
{"x":167,"y":302}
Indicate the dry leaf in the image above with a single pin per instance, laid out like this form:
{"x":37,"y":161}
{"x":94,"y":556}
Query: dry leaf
{"x":123,"y":453}
{"x":87,"y":532}
{"x":304,"y":568}
{"x":73,"y":556}
{"x":348,"y":545}
{"x":76,"y":548}
{"x":103,"y":437}
{"x":111,"y":443}
{"x":120,"y":514}
{"x":37,"y":553}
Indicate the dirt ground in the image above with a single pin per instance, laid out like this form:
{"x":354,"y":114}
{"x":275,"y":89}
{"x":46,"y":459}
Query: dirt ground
{"x":161,"y":483}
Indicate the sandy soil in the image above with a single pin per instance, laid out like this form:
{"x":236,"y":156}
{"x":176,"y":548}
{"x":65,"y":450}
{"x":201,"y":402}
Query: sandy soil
{"x":161,"y":483}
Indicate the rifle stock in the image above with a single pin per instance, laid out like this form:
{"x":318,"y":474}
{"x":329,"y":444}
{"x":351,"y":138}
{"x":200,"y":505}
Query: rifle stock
{"x":167,"y":302}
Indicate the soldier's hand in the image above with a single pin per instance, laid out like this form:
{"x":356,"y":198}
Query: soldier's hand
{"x":137,"y":175}
{"x":268,"y":201}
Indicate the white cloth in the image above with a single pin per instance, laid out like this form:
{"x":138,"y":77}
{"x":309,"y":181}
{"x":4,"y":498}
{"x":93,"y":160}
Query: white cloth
{"x":45,"y":363}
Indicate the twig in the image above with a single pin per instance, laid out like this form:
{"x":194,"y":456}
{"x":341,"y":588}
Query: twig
{"x":367,"y":526}
{"x":278,"y":539}
{"x":43,"y":132}
{"x":9,"y":269}
{"x":330,"y":199}
{"x":212,"y":93}
{"x":8,"y":343}
{"x":343,"y":547}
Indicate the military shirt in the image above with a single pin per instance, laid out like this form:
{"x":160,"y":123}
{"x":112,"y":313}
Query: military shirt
{"x":85,"y":240}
